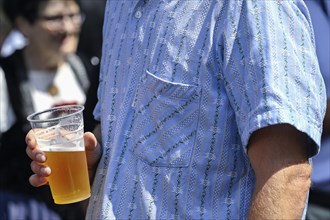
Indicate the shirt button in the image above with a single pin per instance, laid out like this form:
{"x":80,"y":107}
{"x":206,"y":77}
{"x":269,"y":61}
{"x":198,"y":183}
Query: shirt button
{"x":138,"y":14}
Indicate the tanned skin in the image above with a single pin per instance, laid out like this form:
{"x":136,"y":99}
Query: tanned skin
{"x":278,"y":155}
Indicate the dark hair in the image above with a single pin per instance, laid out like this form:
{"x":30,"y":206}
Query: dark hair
{"x":28,"y":9}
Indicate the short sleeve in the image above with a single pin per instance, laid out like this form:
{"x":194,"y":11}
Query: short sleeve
{"x":269,"y":62}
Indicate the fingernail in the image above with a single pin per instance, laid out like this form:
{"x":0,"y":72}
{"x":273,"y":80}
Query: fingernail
{"x":41,"y":157}
{"x":45,"y":170}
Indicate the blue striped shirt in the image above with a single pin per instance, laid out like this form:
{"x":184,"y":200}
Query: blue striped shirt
{"x":183,"y":85}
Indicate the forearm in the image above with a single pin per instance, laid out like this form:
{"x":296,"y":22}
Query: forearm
{"x":278,"y":156}
{"x":283,"y":195}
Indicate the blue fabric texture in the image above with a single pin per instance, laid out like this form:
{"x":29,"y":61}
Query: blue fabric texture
{"x":183,"y":85}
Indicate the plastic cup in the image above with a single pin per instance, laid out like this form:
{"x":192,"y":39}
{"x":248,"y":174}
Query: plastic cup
{"x":59,"y":133}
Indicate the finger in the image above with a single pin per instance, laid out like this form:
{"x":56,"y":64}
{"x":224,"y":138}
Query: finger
{"x":37,"y":181}
{"x":40,"y":169}
{"x":90,"y":141}
{"x":93,"y":149}
{"x":36,"y":154}
{"x":31,"y":150}
{"x":30,"y":140}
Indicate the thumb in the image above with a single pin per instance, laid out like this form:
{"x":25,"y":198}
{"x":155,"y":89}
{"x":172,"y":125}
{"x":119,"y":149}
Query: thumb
{"x":93,"y":150}
{"x":90,"y":141}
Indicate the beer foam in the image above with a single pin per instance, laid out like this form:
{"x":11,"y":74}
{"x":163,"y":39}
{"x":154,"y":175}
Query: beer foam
{"x":61,"y":149}
{"x":59,"y":144}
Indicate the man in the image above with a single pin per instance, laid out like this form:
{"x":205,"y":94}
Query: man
{"x":208,"y":110}
{"x":46,"y":72}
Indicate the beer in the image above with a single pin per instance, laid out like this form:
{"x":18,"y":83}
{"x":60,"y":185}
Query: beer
{"x":69,"y":181}
{"x":59,"y":132}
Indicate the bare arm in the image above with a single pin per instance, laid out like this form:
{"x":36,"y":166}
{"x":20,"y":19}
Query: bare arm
{"x":278,"y":156}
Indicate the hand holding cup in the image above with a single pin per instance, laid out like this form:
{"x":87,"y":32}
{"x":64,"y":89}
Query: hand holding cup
{"x":58,"y":153}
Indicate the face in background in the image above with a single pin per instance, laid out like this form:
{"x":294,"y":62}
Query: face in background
{"x":55,"y":32}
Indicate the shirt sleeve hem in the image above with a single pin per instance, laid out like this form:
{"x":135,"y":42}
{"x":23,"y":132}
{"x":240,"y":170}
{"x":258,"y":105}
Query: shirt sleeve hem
{"x":272,"y":117}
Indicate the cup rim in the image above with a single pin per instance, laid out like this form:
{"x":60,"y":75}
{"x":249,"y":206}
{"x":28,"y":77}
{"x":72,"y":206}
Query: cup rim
{"x":29,"y":118}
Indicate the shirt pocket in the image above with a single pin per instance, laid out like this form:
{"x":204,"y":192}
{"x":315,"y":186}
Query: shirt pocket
{"x":165,"y":122}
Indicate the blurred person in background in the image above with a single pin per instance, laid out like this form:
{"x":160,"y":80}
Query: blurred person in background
{"x":8,"y":36}
{"x":47,"y":72}
{"x":319,"y":198}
